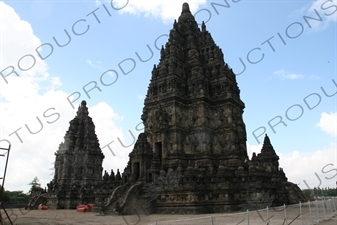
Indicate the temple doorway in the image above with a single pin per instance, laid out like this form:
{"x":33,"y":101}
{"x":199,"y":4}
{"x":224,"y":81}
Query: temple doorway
{"x":158,"y":149}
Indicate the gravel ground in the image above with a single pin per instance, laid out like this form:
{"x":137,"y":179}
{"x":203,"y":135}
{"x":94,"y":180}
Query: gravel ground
{"x":332,"y":221}
{"x":61,"y":217}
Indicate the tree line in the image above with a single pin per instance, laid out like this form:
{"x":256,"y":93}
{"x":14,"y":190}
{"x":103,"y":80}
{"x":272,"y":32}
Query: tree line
{"x":320,"y":192}
{"x":19,"y":198}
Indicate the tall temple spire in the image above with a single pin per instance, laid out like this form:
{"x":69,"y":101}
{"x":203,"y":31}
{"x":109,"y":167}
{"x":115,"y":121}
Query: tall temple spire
{"x":193,"y":95}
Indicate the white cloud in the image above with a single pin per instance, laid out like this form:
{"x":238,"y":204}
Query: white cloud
{"x":166,"y":10}
{"x":107,"y":131}
{"x":329,"y":12}
{"x":89,"y":62}
{"x":140,"y":97}
{"x":316,"y":9}
{"x":95,"y":65}
{"x":313,"y":77}
{"x":25,"y":102}
{"x":97,"y":3}
{"x":312,"y":169}
{"x":328,"y":123}
{"x":285,"y":75}
{"x":18,"y":40}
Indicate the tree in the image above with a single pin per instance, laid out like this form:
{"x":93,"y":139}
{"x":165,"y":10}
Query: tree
{"x":329,"y":192}
{"x":35,"y":185}
{"x":3,"y":195}
{"x":14,"y":197}
{"x":318,"y":192}
{"x":309,"y":193}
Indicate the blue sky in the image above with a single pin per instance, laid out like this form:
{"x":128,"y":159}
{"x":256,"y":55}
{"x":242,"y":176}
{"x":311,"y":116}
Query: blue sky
{"x":296,"y":54}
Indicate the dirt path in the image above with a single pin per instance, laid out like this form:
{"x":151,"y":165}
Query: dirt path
{"x":332,"y":221}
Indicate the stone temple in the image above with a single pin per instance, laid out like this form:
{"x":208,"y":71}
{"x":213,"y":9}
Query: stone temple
{"x":191,"y":157}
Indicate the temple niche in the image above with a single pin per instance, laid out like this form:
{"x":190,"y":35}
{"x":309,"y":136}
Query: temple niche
{"x":191,"y":157}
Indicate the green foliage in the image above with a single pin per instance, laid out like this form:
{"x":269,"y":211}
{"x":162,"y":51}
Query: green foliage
{"x":35,"y":185}
{"x":329,"y":192}
{"x":14,"y":197}
{"x":308,"y":193}
{"x":4,"y":195}
{"x":325,"y":192}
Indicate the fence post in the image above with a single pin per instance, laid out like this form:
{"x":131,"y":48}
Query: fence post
{"x":323,"y":203}
{"x":248,"y":216}
{"x":328,"y":205}
{"x":285,"y":213}
{"x":317,"y":211}
{"x":267,"y":212}
{"x":309,"y":209}
{"x":212,"y":221}
{"x":301,"y":213}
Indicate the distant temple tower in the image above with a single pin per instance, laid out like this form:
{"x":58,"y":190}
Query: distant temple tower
{"x":78,"y":164}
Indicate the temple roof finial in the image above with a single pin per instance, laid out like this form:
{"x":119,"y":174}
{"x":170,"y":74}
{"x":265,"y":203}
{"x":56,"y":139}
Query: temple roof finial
{"x":186,"y":7}
{"x":203,"y":27}
{"x":82,"y":109}
{"x":266,"y":140}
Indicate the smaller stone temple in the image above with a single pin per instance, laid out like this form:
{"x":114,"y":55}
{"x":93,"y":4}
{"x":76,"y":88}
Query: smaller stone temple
{"x":78,"y":164}
{"x":79,"y":177}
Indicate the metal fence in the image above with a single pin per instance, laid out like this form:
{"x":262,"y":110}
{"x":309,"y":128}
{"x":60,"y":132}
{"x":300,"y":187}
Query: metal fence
{"x":298,"y":214}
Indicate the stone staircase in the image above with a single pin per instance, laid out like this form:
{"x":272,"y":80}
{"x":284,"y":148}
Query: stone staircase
{"x":33,"y":203}
{"x":121,"y":199}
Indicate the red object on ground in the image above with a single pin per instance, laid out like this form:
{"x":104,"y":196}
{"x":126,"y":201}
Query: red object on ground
{"x":42,"y":207}
{"x":84,"y":208}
